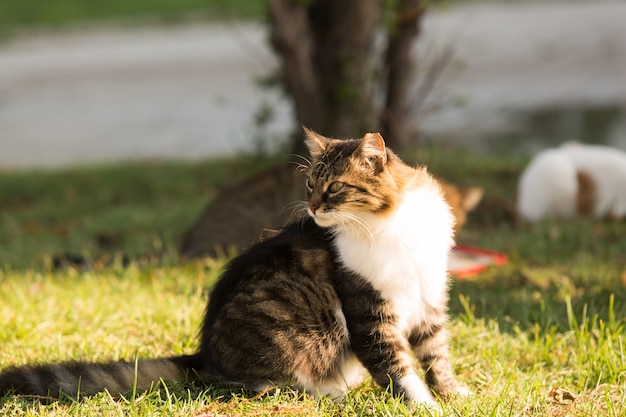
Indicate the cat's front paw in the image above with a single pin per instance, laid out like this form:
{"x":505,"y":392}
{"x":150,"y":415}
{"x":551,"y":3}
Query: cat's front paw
{"x":415,"y":390}
{"x":420,"y":396}
{"x":461,"y":390}
{"x":453,"y":390}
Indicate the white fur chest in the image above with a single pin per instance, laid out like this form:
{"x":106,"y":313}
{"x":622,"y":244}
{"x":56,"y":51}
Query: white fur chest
{"x":405,"y":255}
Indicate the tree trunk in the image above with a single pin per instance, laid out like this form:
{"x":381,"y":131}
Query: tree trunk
{"x":343,"y":33}
{"x":326,"y":50}
{"x":290,"y":37}
{"x":341,"y":86}
{"x":405,"y":29}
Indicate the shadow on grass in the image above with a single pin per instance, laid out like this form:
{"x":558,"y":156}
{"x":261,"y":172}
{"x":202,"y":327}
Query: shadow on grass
{"x":520,"y":297}
{"x":209,"y":399}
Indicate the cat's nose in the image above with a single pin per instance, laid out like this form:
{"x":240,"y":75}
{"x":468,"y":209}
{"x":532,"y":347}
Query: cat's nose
{"x":314,"y":203}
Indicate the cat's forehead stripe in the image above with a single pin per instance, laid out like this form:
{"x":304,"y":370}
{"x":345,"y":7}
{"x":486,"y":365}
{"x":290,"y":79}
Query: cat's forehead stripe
{"x":321,"y":170}
{"x":332,"y":157}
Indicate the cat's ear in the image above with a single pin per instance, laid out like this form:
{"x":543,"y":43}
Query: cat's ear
{"x":315,"y":142}
{"x":372,"y":149}
{"x":471,"y":197}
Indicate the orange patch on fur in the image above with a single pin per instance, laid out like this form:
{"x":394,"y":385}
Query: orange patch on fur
{"x":586,"y":193}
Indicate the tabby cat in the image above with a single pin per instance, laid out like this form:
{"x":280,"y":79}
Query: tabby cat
{"x":358,"y":286}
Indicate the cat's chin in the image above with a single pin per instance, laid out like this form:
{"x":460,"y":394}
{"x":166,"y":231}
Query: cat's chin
{"x":323,"y":220}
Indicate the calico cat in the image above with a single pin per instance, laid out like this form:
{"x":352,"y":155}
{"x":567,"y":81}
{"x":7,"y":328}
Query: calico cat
{"x":574,"y":179}
{"x":357,"y":286}
{"x":249,"y":210}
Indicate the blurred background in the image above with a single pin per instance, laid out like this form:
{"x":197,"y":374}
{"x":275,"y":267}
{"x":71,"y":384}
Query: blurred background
{"x":84,"y":81}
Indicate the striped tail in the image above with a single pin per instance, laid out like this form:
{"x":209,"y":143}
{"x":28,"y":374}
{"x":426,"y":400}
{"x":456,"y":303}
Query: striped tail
{"x":78,"y":378}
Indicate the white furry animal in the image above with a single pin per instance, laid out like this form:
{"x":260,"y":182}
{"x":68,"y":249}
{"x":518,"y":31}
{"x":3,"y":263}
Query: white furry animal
{"x":574,"y":179}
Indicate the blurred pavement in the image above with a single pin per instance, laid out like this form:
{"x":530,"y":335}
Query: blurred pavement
{"x":191,"y":92}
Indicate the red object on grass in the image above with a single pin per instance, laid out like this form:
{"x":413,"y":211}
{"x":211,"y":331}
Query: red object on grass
{"x":466,"y":261}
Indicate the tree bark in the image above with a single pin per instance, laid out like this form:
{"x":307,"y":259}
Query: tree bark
{"x":343,"y":33}
{"x":405,"y":29}
{"x":290,"y":37}
{"x":325,"y":47}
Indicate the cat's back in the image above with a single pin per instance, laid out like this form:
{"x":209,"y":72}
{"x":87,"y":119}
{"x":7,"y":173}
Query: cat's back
{"x":301,"y":247}
{"x":583,"y":154}
{"x":277,"y":278}
{"x":605,"y":166}
{"x":275,"y":310}
{"x":547,"y":186}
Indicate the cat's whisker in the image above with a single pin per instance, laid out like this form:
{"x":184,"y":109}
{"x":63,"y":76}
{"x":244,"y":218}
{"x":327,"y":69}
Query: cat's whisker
{"x":294,"y":205}
{"x":356,"y":225}
{"x":297,"y":208}
{"x":300,"y":167}
{"x":354,"y":229}
{"x":366,"y":230}
{"x":307,"y":162}
{"x":346,"y":222}
{"x":359,"y":224}
{"x":302,"y":163}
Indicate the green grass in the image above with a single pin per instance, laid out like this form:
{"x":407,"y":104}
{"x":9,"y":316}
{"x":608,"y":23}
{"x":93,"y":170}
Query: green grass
{"x":135,"y":208}
{"x":51,"y":14}
{"x":553,"y":316}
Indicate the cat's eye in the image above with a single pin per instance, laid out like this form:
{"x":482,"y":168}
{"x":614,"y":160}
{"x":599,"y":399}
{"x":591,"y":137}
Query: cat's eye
{"x":335,"y":186}
{"x":309,"y":183}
